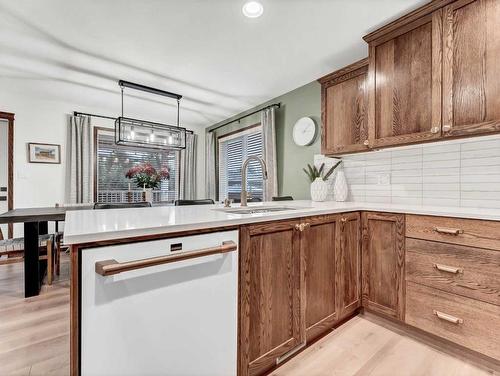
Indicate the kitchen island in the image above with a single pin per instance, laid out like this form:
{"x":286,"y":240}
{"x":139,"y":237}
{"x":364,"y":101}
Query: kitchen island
{"x":195,"y":282}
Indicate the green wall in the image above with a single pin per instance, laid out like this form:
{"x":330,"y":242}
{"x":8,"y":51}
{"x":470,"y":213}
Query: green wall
{"x":304,"y":101}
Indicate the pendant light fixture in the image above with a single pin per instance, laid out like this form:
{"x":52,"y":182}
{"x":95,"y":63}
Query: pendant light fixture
{"x":147,"y":134}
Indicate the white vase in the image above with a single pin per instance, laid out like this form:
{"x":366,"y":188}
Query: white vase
{"x":148,"y":194}
{"x":319,"y":190}
{"x":340,"y":189}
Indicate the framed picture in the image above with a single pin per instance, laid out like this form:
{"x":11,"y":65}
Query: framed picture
{"x":44,"y":153}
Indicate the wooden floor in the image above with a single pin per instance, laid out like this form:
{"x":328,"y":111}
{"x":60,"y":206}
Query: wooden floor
{"x":34,"y":340}
{"x":363,"y":348}
{"x":34,"y":332}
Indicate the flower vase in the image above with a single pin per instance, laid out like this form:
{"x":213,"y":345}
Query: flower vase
{"x":319,"y":190}
{"x":148,"y":194}
{"x":340,"y":189}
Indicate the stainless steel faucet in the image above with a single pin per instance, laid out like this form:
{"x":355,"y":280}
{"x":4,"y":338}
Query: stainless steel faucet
{"x":244,"y":176}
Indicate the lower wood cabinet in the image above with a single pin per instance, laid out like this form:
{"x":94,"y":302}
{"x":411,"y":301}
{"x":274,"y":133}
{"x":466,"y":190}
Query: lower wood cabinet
{"x":383,"y":253}
{"x":271,"y":294}
{"x":348,"y":265}
{"x":297,"y":280}
{"x":318,"y":244}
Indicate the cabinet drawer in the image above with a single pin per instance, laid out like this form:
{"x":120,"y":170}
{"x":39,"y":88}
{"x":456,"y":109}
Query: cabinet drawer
{"x":472,"y":232}
{"x":470,"y":323}
{"x":468,"y":271}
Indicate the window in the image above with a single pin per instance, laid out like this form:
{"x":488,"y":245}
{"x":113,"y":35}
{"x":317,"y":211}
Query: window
{"x":233,"y":150}
{"x":113,"y":161}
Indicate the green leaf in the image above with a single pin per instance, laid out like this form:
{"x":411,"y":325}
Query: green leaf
{"x":330,"y":171}
{"x":308,"y":174}
{"x":321,"y":169}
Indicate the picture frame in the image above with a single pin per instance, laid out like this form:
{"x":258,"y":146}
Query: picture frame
{"x":44,"y":153}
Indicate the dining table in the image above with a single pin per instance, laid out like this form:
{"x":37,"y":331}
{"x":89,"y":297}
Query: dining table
{"x":35,"y":224}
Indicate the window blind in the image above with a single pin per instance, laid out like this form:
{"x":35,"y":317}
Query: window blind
{"x":113,"y":161}
{"x":232,"y":153}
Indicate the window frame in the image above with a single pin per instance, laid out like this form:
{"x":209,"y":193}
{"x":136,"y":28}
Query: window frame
{"x":224,"y":137}
{"x":111,"y":131}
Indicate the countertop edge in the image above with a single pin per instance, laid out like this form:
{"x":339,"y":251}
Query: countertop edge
{"x":75,"y":239}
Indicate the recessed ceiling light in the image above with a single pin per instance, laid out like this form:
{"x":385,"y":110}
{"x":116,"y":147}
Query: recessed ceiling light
{"x":253,"y":9}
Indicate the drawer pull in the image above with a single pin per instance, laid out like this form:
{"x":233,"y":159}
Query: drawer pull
{"x":448,"y":269}
{"x":110,"y":267}
{"x":448,"y":231}
{"x":301,"y":227}
{"x":446,"y":317}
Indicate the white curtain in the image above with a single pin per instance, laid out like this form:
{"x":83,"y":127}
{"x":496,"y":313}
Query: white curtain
{"x":210,"y":174}
{"x":269,"y":153}
{"x":187,"y":184}
{"x":79,"y":177}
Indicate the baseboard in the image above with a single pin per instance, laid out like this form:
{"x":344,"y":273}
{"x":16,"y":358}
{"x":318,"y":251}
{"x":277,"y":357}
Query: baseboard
{"x":477,"y":359}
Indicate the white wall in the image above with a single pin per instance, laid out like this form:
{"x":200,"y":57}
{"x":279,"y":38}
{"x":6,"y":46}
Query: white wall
{"x":38,"y":119}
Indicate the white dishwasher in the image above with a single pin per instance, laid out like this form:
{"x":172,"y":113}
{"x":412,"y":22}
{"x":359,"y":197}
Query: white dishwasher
{"x":170,"y":309}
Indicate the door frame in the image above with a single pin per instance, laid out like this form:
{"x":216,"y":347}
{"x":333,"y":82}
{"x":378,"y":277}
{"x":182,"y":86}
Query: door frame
{"x":10,"y":165}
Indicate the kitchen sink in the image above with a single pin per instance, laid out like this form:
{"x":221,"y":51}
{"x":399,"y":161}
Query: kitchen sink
{"x":256,"y":209}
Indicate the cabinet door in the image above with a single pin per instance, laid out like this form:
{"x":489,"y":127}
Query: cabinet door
{"x":318,"y":242}
{"x":471,"y":88}
{"x":405,"y":83}
{"x":270,"y":294}
{"x":348,"y":261}
{"x":343,"y":110}
{"x":383,"y":254}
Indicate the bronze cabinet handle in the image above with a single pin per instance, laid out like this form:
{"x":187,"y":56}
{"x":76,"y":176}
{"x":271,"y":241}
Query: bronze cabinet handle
{"x":448,"y":269}
{"x":111,"y":267}
{"x":302,"y":226}
{"x":445,"y":317}
{"x":446,"y":128}
{"x":366,"y":143}
{"x":448,"y":231}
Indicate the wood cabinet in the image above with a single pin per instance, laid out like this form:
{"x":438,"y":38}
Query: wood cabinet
{"x":432,"y":74}
{"x":343,"y":110}
{"x":348,"y":265}
{"x":318,"y":243}
{"x":383,"y":255}
{"x":453,"y":285}
{"x":297,"y":280}
{"x":404,"y":83}
{"x":471,"y":88}
{"x":271,"y":294}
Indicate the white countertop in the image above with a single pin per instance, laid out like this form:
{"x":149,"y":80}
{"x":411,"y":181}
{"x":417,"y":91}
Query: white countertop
{"x":84,"y":226}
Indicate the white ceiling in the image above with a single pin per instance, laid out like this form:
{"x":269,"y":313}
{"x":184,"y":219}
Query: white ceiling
{"x":206,"y":50}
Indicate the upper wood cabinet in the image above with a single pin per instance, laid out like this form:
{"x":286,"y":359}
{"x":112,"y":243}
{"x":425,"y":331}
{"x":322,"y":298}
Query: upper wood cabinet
{"x":271,"y":304}
{"x":404,"y":83}
{"x":383,"y":255}
{"x":343,"y":110}
{"x":471,"y":67}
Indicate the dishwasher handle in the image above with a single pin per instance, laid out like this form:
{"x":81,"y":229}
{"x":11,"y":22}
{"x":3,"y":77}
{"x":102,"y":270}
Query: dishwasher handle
{"x":111,"y":267}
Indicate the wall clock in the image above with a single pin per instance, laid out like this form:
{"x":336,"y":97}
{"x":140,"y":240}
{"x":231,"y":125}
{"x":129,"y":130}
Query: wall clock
{"x":304,"y":131}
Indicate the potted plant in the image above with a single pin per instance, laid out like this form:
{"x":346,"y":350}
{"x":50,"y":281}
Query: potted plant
{"x":319,"y":187}
{"x":145,"y":176}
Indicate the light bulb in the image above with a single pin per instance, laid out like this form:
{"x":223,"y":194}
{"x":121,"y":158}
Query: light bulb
{"x":132,"y":133}
{"x":152,"y":136}
{"x":252,"y":9}
{"x":170,"y":139}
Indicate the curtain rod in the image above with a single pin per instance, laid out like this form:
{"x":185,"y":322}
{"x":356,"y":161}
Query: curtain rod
{"x":244,"y":116}
{"x":76,"y":113}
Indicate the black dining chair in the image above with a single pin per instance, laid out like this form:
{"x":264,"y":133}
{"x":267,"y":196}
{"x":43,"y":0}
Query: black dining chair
{"x":282,"y":198}
{"x":206,"y":201}
{"x":122,"y":205}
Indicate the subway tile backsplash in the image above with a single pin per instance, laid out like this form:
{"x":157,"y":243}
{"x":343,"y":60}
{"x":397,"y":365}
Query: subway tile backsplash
{"x":462,"y":173}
